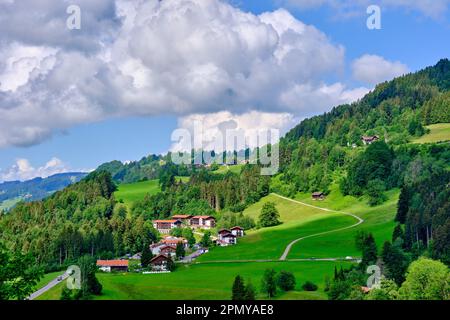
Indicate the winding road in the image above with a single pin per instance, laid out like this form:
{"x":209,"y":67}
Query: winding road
{"x":289,"y":246}
{"x":48,"y":286}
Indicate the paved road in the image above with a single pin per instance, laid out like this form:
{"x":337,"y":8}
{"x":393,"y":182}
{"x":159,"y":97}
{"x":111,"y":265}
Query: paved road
{"x":289,"y":246}
{"x":277,"y":260}
{"x":49,"y":285}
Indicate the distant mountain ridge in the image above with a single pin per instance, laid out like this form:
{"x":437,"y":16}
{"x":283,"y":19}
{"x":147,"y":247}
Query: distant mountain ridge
{"x":38,"y":188}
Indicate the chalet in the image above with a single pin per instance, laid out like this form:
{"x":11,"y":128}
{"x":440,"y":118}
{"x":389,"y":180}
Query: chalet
{"x":204,"y":222}
{"x":184,"y":218}
{"x":159,"y":263}
{"x":164,"y":226}
{"x":112,"y":265}
{"x":173,"y":241}
{"x":369,"y":139}
{"x":237,"y":231}
{"x":318,"y":196}
{"x":226,"y":238}
{"x":168,"y":251}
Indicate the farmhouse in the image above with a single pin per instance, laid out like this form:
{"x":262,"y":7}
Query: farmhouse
{"x":369,"y":139}
{"x":318,"y":196}
{"x":159,"y":263}
{"x":164,"y":226}
{"x":168,"y":251}
{"x":112,"y":265}
{"x":237,"y":231}
{"x":204,"y":222}
{"x":173,"y":241}
{"x":226,"y":238}
{"x":184,"y":218}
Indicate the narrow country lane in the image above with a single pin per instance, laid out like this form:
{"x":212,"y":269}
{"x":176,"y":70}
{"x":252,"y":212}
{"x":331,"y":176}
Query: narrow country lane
{"x":289,"y":246}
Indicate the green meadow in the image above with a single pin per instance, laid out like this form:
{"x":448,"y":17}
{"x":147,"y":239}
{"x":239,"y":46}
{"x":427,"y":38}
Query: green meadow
{"x":378,"y":220}
{"x":269,"y":243}
{"x":439,"y":132}
{"x":206,"y":281}
{"x":225,"y":168}
{"x":131,"y":192}
{"x":8,"y":204}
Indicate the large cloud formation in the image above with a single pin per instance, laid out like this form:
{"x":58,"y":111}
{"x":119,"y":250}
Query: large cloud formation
{"x":143,"y":58}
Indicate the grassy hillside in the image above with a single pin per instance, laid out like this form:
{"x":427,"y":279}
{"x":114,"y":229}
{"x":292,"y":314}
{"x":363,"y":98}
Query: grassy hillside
{"x":8,"y":204}
{"x":201,"y":281}
{"x":132,"y":192}
{"x":269,"y":243}
{"x":378,"y":220}
{"x":224,"y":169}
{"x":438,"y":133}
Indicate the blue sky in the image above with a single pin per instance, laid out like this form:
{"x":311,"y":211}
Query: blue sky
{"x":408,"y":36}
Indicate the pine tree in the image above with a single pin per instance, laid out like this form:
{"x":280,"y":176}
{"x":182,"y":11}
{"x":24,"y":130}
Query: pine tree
{"x":238,"y":290}
{"x":398,"y":233}
{"x":146,"y":256}
{"x":403,"y":205}
{"x":250,"y":292}
{"x":180,"y":252}
{"x":369,"y":253}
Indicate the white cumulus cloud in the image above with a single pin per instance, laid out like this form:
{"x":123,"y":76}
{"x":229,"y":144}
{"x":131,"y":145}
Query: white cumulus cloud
{"x":374,"y":69}
{"x":23,"y":170}
{"x":144,"y":58}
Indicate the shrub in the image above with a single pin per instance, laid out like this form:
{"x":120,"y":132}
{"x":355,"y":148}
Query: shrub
{"x":309,"y":286}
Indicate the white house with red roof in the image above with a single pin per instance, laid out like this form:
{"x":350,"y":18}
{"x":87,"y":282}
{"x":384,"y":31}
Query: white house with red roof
{"x":204,"y":222}
{"x":164,"y":226}
{"x":237,"y":231}
{"x":112,"y":265}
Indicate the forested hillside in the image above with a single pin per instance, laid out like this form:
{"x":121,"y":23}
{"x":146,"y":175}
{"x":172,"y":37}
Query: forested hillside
{"x":82,"y":219}
{"x":395,"y":111}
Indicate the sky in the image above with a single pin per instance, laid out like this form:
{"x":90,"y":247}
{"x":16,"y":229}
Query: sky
{"x":116,"y":85}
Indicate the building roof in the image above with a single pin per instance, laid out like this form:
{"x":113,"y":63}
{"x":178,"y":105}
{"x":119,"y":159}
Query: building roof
{"x":158,"y":257}
{"x":112,"y":263}
{"x":173,"y":241}
{"x":203,"y":217}
{"x":167,"y":247}
{"x":166,"y":221}
{"x":228,"y":235}
{"x":224,"y":231}
{"x":237,"y":228}
{"x":317,"y":194}
{"x":181,"y":216}
{"x":370,"y":138}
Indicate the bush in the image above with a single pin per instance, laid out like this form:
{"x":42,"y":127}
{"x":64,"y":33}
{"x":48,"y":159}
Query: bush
{"x":286,"y":281}
{"x":309,"y":286}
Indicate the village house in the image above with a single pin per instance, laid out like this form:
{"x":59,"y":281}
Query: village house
{"x":226,"y":238}
{"x":369,"y":139}
{"x":318,"y":196}
{"x":204,"y":222}
{"x":174,"y":241}
{"x":237,"y":231}
{"x":168,"y":250}
{"x":159,"y":263}
{"x":112,"y":265}
{"x":164,"y":226}
{"x":168,"y":241}
{"x":184,"y":218}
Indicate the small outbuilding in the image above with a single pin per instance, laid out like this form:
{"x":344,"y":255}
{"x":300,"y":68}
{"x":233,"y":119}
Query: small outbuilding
{"x":113,"y":265}
{"x":318,"y":196}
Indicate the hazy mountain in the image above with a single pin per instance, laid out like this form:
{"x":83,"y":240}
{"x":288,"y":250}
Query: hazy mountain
{"x":37,"y":188}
